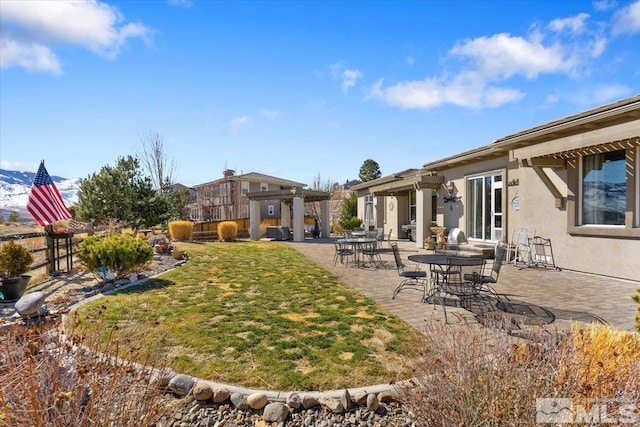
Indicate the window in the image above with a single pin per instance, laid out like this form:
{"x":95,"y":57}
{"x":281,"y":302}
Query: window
{"x":271,"y":210}
{"x":245,"y":187}
{"x":368,"y":210}
{"x":604,"y":189}
{"x":412,"y":206}
{"x":264,"y":186}
{"x":484,"y":207}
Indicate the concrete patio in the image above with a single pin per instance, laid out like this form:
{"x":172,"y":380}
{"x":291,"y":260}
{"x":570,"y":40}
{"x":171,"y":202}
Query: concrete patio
{"x":552,"y":298}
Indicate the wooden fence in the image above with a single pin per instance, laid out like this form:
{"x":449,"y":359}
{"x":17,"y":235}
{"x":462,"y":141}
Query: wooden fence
{"x":209,"y":230}
{"x":53,"y":253}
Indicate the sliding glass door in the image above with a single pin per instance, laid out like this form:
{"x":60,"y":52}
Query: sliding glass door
{"x":484,"y":207}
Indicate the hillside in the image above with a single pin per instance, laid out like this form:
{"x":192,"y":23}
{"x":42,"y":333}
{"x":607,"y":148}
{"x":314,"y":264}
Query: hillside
{"x":15,"y":186}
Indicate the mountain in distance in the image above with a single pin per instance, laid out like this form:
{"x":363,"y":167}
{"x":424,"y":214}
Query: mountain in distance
{"x":15,"y":186}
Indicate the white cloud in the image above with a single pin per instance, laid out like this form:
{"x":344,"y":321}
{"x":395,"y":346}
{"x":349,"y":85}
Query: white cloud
{"x":478,"y":68}
{"x":31,"y":57}
{"x":239,"y":122}
{"x":627,"y":20}
{"x":465,"y":91}
{"x":603,"y":5}
{"x":349,"y":79}
{"x":575,"y":24}
{"x":270,"y":114}
{"x":19,"y":166}
{"x":502,"y":56}
{"x":90,"y":24}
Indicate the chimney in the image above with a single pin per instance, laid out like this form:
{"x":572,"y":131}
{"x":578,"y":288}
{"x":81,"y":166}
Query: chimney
{"x":228,"y":172}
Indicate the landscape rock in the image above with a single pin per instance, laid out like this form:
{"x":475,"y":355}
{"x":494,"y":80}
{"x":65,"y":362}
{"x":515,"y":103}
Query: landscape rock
{"x":202,"y":391}
{"x":309,"y":401}
{"x":388,"y":396}
{"x":30,"y":303}
{"x":275,"y":412}
{"x":294,"y":401}
{"x":239,"y":401}
{"x":257,"y":400}
{"x":372,"y":402}
{"x":345,"y":400}
{"x":220,"y":394}
{"x":181,"y":384}
{"x":332,"y":404}
{"x":361,"y":398}
{"x":161,"y":378}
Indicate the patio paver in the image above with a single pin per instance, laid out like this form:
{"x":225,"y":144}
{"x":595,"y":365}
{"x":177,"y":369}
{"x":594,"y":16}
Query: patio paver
{"x":558,"y":296}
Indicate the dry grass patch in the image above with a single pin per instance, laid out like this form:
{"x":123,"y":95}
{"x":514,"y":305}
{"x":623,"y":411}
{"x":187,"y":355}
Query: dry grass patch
{"x":281,"y":320}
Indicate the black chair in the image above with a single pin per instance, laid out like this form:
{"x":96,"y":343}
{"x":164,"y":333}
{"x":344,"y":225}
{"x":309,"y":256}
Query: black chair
{"x":485,"y":281}
{"x":412,"y":279}
{"x":460,"y":279}
{"x":343,"y":252}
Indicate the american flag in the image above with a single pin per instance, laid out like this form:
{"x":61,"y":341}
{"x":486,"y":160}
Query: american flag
{"x":45,"y":203}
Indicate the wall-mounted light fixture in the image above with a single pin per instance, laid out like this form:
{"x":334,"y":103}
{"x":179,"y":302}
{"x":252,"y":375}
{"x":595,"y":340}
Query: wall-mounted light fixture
{"x":452,"y":195}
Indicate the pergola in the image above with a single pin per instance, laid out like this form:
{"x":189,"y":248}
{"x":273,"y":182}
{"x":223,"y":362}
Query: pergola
{"x":290,"y":198}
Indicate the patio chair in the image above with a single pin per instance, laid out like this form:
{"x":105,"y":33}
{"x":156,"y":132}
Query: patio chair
{"x":343,"y":252}
{"x":460,"y":279}
{"x":412,"y":279}
{"x":522,"y":248}
{"x":369,"y":251}
{"x":485,"y":281}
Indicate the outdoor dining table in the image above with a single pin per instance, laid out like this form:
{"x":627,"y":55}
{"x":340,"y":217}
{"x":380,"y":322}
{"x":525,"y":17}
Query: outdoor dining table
{"x":357,"y":243}
{"x":443,"y":262}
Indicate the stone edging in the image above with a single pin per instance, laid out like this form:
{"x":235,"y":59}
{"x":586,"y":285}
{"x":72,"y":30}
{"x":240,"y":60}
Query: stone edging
{"x":243,"y":398}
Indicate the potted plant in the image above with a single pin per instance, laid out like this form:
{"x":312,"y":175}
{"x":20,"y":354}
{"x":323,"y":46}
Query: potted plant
{"x":15,"y":260}
{"x":177,"y":254}
{"x":160,"y":243}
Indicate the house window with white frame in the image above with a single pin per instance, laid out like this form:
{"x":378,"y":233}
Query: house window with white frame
{"x":603,"y":189}
{"x":245,"y":187}
{"x":264,"y":186}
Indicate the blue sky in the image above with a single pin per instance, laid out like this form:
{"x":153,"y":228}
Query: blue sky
{"x":298,"y":89}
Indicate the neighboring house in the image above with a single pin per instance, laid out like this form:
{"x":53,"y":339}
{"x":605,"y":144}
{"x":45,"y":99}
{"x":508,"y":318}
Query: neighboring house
{"x":225,"y":198}
{"x":575,"y":180}
{"x":189,"y":195}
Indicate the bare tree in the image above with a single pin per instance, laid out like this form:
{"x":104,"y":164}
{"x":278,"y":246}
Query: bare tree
{"x":335,"y":201}
{"x":155,"y":160}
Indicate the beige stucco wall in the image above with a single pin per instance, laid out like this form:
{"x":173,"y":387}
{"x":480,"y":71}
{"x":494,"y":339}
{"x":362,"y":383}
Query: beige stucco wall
{"x":597,"y":255}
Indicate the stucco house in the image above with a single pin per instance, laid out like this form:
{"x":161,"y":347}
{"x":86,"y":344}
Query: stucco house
{"x":574,"y":180}
{"x":226,"y":198}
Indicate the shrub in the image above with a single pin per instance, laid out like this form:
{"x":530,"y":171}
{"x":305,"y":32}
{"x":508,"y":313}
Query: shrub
{"x":49,"y":380}
{"x":118,"y":253}
{"x":181,"y":230}
{"x":15,"y":260}
{"x":481,"y":376}
{"x":350,"y":223}
{"x":606,"y":359}
{"x":227,"y":231}
{"x":337,"y":228}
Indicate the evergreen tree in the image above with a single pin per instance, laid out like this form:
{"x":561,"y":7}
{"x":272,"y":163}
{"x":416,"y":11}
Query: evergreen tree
{"x":369,"y":170}
{"x":122,"y":194}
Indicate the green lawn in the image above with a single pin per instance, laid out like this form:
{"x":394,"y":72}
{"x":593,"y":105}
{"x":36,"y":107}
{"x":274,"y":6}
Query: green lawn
{"x":260,"y":314}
